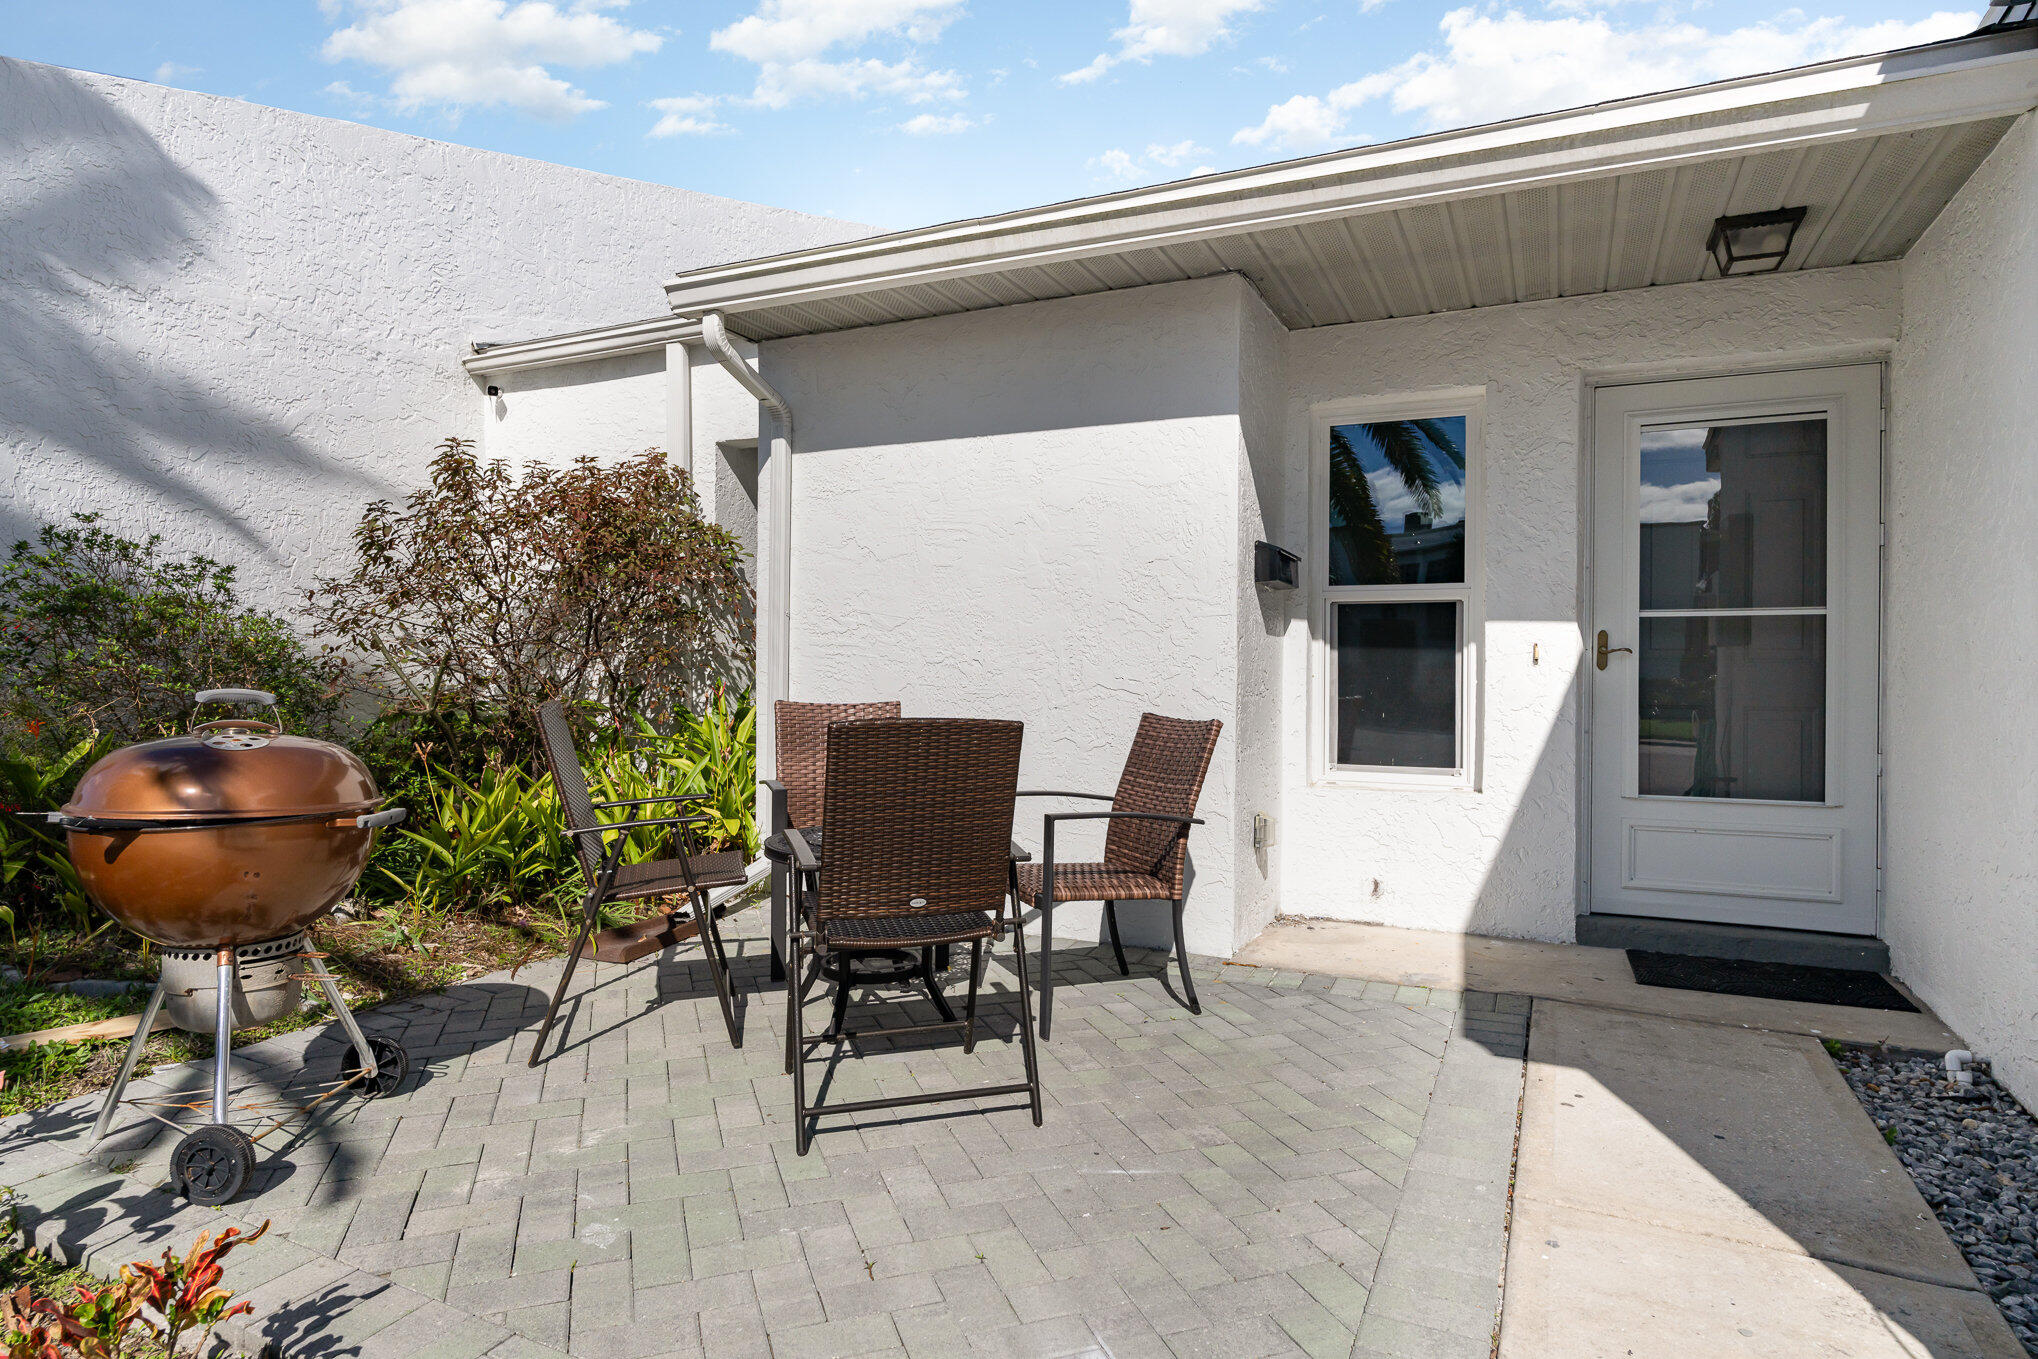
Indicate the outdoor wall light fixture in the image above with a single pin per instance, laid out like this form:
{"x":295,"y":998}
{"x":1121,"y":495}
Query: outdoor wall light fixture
{"x":1276,"y":568}
{"x":1754,"y":242}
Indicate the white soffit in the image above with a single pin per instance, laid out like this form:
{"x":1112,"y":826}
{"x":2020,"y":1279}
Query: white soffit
{"x":1619,"y":195}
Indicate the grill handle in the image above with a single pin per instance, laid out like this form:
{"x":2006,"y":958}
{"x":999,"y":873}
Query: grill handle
{"x":388,"y":816}
{"x":261,"y":696}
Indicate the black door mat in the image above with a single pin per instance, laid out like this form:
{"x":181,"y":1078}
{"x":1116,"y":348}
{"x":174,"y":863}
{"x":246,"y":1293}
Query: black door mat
{"x":1770,"y":981}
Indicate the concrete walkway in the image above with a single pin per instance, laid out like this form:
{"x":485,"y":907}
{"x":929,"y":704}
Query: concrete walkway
{"x":1314,"y":1166}
{"x":1586,"y":976}
{"x":1694,"y":1189}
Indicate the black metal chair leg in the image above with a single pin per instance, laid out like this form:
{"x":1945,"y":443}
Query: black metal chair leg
{"x":969,"y":1007}
{"x":1026,"y":1015}
{"x":1046,"y":970}
{"x":796,"y":1048}
{"x":779,"y":873}
{"x":1111,"y":923}
{"x":933,"y":986}
{"x":588,"y":912}
{"x":841,"y":1016}
{"x":718,"y":965}
{"x":1182,"y":959}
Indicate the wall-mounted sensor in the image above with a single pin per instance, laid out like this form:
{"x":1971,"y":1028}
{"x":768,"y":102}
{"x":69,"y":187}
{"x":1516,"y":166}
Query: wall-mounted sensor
{"x":495,"y":391}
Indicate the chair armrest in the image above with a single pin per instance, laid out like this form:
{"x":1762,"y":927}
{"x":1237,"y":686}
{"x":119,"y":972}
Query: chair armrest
{"x":1045,"y":792}
{"x":1122,"y":816}
{"x":648,"y":801}
{"x":775,"y":797}
{"x":609,"y":826}
{"x":803,"y":854}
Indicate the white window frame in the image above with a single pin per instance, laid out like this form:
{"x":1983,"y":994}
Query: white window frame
{"x":1470,"y":404}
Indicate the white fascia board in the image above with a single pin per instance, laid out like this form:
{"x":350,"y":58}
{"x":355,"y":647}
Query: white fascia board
{"x":579,"y":346}
{"x":1966,"y":80}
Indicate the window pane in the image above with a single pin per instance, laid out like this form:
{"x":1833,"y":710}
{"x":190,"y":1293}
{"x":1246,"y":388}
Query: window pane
{"x":1397,"y":502}
{"x":1734,"y":516}
{"x":1734,"y":708}
{"x":1397,"y":685}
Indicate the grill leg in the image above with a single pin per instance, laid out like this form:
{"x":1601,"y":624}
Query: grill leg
{"x":127,"y":1065}
{"x":1111,"y":923}
{"x":222,"y":1033}
{"x":348,"y":1023}
{"x":1182,"y":958}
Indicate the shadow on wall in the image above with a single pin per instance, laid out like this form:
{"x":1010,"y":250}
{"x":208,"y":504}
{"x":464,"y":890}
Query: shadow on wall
{"x":97,"y":223}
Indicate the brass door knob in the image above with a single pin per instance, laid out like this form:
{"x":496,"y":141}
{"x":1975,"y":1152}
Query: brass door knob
{"x":1602,"y":651}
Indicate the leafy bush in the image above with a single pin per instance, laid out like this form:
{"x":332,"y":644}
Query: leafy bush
{"x":152,"y":1308}
{"x":102,"y":636}
{"x":497,"y":840}
{"x":491,"y":593}
{"x":37,"y":881}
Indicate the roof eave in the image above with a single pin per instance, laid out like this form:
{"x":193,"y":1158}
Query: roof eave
{"x":1967,"y":79}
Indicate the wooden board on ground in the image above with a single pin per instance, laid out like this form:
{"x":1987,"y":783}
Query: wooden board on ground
{"x":121,"y":1027}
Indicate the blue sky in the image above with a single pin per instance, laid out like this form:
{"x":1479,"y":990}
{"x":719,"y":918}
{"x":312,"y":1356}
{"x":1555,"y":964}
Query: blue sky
{"x":904,"y":112}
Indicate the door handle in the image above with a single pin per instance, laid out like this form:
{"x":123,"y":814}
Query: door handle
{"x":1602,"y":651}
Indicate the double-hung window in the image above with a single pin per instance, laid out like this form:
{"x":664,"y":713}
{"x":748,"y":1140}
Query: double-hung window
{"x":1396,"y":572}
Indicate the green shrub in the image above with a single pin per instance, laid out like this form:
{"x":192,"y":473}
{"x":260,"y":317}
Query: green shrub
{"x":37,"y":882}
{"x":102,"y":636}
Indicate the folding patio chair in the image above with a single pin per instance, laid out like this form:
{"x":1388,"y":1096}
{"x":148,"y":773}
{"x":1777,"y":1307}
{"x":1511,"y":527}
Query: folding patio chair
{"x":600,"y":845}
{"x":800,"y":738}
{"x":917,"y":853}
{"x":1145,"y":850}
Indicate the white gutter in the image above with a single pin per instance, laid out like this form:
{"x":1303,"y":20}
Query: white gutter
{"x":580,"y":346}
{"x":715,"y":336}
{"x":1964,"y":80}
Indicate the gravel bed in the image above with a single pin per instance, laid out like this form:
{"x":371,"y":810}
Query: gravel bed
{"x":1973,"y":1151}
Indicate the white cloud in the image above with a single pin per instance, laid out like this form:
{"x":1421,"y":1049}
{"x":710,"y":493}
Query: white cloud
{"x":686,"y":115}
{"x":935,"y":124}
{"x":353,"y":100}
{"x":460,"y":54}
{"x":789,"y":42}
{"x":170,"y":72}
{"x":1500,"y":63}
{"x":1124,"y":166}
{"x":1680,"y":504}
{"x":791,"y":30}
{"x":1166,"y":28}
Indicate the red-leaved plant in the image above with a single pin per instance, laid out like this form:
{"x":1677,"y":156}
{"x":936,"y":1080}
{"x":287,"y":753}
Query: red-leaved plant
{"x":168,"y":1302}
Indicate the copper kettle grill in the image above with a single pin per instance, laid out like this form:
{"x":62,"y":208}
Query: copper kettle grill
{"x":223,"y":845}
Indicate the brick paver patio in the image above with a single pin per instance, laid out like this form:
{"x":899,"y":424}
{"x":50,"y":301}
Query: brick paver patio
{"x":1312,"y":1166}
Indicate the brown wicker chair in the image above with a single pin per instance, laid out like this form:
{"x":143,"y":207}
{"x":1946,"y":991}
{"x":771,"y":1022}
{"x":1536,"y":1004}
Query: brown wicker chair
{"x":600,"y":844}
{"x":801,"y":741}
{"x":917,"y":853}
{"x":1145,"y":850}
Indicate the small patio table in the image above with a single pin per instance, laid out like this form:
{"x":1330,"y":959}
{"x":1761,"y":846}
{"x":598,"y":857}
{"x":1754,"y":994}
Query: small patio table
{"x":881,"y":966}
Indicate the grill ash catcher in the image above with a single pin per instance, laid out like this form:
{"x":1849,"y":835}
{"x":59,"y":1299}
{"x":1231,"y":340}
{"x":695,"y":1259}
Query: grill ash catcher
{"x":222,"y":846}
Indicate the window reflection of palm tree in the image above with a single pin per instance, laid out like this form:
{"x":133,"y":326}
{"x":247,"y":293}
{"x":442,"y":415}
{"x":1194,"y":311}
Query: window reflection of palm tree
{"x":1357,"y":534}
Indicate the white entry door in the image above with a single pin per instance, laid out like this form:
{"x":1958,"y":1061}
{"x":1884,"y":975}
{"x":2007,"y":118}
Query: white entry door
{"x":1732,"y":649}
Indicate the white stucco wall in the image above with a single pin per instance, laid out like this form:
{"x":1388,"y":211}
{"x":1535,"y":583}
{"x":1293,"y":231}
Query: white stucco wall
{"x":1263,"y":615}
{"x":604,"y":409}
{"x":236,"y":325}
{"x":1033,"y":513}
{"x":1502,"y":859}
{"x":1961,"y":851}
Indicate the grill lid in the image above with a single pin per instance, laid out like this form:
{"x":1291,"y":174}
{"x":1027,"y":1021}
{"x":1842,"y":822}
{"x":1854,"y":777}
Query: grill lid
{"x":235,"y":769}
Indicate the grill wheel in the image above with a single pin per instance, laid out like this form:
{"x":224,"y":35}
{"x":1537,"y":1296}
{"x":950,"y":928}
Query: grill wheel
{"x":211,"y":1165}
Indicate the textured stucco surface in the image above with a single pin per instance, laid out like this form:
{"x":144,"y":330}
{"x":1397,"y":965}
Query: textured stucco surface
{"x":1263,"y":615}
{"x":1961,"y":844}
{"x":1502,"y":859}
{"x":237,"y":325}
{"x":604,"y":409}
{"x":1033,"y":513}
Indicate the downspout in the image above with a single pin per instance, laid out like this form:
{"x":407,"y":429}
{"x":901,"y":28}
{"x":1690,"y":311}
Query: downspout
{"x":715,"y":336}
{"x":774,"y":546}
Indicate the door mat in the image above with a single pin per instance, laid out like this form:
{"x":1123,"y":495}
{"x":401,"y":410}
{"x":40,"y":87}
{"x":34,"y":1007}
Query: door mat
{"x":1769,"y":981}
